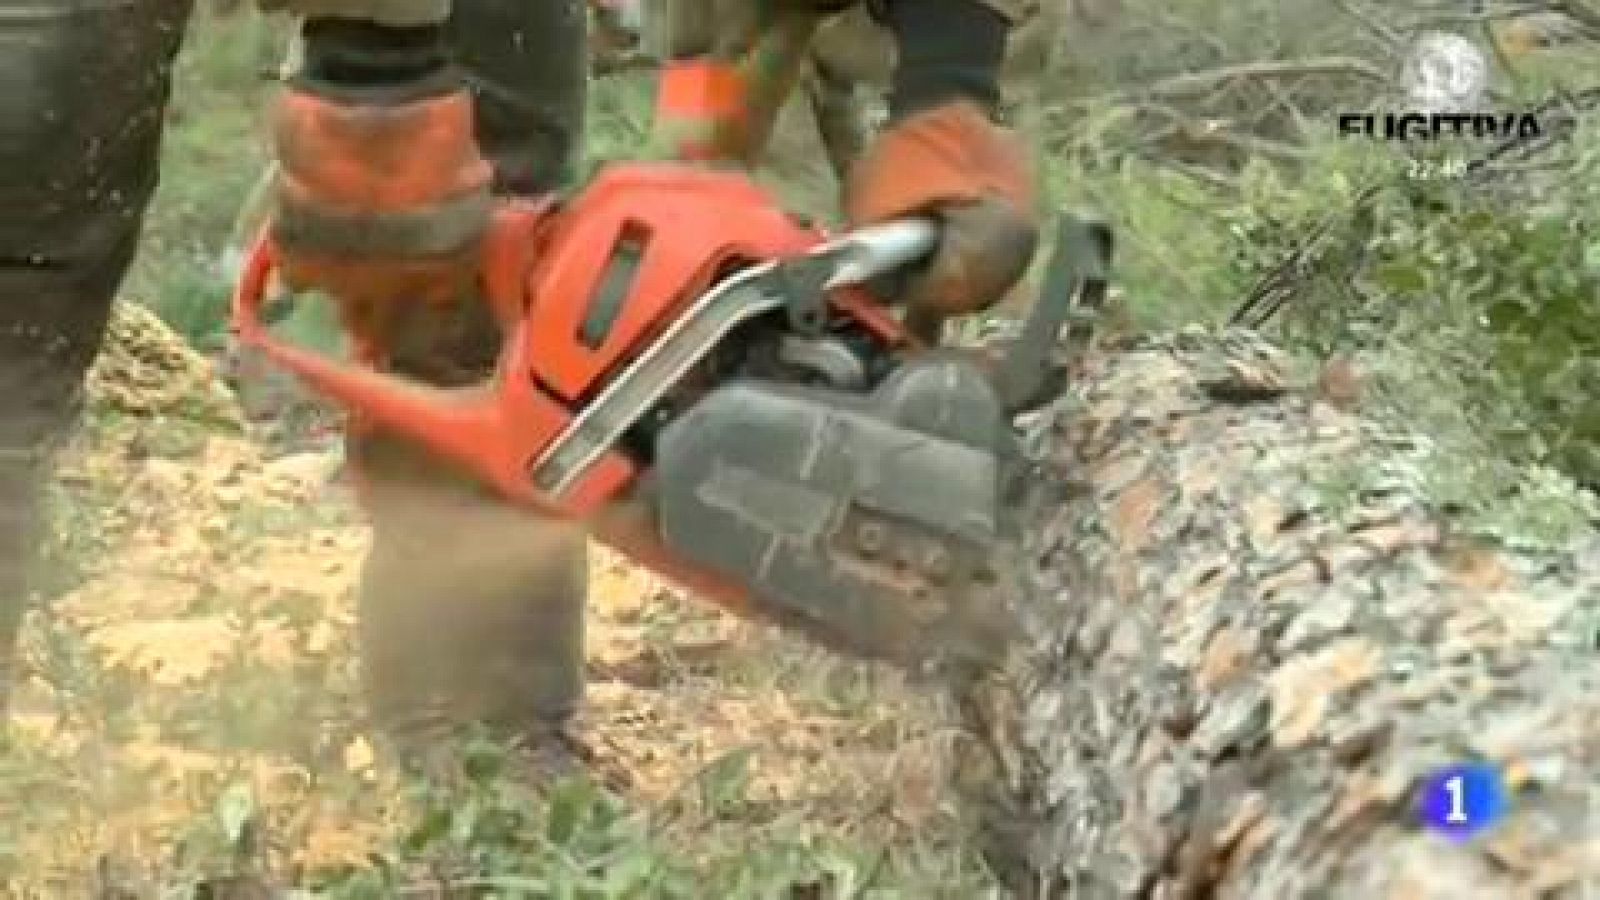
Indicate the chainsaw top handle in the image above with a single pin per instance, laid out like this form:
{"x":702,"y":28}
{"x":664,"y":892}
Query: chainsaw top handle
{"x":875,"y":250}
{"x":542,"y":268}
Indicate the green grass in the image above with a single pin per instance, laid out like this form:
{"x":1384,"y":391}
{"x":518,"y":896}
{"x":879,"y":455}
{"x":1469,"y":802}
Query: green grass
{"x":212,"y":153}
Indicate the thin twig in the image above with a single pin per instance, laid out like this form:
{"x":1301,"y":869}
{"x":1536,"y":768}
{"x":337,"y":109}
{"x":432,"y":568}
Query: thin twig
{"x":1584,"y":15}
{"x":1192,"y":82}
{"x":1202,"y":174}
{"x":1385,"y":34}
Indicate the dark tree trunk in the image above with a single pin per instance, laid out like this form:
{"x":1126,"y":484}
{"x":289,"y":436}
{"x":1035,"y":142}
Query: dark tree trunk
{"x":1251,"y":642}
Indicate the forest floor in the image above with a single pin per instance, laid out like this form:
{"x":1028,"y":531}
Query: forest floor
{"x":190,"y":708}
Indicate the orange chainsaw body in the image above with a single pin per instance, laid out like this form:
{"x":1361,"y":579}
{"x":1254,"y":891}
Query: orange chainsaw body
{"x":685,"y":226}
{"x":549,"y":271}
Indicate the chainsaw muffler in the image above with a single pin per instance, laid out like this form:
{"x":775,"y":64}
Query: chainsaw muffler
{"x":867,"y":521}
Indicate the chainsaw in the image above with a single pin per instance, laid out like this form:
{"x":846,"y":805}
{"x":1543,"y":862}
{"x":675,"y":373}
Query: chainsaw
{"x":721,"y":393}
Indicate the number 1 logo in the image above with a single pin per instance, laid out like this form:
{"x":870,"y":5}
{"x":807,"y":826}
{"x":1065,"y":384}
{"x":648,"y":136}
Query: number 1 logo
{"x":1456,"y":813}
{"x":1463,"y":801}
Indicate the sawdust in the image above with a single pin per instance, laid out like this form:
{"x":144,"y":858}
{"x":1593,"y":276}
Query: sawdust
{"x":147,"y":369}
{"x":169,"y":652}
{"x":212,"y":645}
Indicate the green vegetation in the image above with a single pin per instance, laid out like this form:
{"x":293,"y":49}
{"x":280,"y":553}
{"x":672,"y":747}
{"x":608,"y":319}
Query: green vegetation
{"x":213,"y":153}
{"x":1469,"y":305}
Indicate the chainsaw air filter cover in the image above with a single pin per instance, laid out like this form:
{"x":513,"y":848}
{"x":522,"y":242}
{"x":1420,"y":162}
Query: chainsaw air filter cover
{"x":843,"y":511}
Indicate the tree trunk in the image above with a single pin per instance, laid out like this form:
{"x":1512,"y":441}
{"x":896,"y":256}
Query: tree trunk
{"x":1252,"y":641}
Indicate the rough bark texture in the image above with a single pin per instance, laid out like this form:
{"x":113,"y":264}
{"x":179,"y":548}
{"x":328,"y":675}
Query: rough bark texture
{"x":1243,"y":663}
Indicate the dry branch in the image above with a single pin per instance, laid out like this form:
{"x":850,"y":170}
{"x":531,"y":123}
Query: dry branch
{"x":1193,"y":82}
{"x":1239,"y":671}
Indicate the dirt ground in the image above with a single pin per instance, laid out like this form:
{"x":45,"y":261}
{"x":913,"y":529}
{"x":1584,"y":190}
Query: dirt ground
{"x":197,"y":674}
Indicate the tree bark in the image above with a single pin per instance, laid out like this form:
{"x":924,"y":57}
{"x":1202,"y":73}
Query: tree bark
{"x":1251,"y":640}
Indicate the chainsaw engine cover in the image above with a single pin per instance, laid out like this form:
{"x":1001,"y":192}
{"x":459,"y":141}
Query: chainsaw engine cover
{"x":865,"y":519}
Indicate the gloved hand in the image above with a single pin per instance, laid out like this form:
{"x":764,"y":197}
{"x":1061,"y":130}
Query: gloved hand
{"x":952,"y":162}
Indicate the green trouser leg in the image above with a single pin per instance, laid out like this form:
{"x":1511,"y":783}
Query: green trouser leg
{"x":798,"y":166}
{"x":83,"y":89}
{"x":472,"y":612}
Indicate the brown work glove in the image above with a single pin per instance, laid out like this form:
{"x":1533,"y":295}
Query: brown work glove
{"x":955,"y":164}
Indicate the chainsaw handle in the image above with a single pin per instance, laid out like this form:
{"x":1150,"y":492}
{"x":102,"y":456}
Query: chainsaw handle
{"x":865,"y":253}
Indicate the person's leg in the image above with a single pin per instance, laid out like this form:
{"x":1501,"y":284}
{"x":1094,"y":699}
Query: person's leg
{"x":797,"y":165}
{"x":679,"y":29}
{"x":1034,"y":41}
{"x":471,"y":611}
{"x":83,"y":92}
{"x":1029,"y":50}
{"x":854,"y":56}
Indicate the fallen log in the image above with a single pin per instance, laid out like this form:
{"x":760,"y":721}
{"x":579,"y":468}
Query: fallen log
{"x":1251,"y":639}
